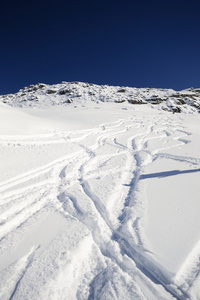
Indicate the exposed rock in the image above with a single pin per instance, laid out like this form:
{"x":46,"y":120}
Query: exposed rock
{"x":121,"y":91}
{"x":51,"y":91}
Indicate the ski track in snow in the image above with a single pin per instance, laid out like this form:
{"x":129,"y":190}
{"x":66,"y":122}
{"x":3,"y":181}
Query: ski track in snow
{"x":95,"y":186}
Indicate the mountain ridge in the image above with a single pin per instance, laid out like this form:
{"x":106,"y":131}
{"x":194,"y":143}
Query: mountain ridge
{"x":65,"y":93}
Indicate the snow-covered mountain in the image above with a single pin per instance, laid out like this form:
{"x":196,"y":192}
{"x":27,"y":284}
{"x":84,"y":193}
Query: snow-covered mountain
{"x":41,"y":95}
{"x":99,"y":198}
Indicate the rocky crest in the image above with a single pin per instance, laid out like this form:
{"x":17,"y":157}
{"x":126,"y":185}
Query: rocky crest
{"x":65,"y":93}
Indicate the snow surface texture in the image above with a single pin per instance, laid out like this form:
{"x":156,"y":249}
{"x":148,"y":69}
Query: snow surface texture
{"x":98,"y":200}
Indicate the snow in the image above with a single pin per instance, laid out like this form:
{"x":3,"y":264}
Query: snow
{"x":15,"y":122}
{"x":99,"y":200}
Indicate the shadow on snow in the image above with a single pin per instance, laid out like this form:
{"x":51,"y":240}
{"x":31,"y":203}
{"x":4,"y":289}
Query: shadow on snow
{"x":167,"y":173}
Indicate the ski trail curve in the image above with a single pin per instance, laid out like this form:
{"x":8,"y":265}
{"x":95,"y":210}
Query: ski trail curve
{"x":94,"y":182}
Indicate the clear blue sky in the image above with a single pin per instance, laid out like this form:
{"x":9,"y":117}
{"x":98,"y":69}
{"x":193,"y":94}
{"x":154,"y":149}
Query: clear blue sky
{"x":131,"y":43}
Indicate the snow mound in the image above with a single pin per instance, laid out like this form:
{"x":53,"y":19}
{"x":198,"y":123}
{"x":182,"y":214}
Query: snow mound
{"x":16,"y":122}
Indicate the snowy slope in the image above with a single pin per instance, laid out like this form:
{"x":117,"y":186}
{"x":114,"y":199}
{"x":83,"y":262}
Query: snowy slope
{"x":99,"y":200}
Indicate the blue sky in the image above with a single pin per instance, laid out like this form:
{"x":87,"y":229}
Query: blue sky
{"x":130,"y":43}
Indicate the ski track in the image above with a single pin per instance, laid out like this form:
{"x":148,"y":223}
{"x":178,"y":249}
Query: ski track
{"x":75,"y":185}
